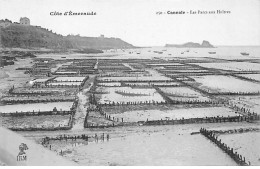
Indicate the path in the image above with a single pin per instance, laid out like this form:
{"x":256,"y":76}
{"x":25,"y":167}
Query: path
{"x":81,"y":111}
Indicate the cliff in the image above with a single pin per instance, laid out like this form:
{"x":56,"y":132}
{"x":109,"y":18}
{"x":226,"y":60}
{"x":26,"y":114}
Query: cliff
{"x":204,"y":44}
{"x":19,"y":36}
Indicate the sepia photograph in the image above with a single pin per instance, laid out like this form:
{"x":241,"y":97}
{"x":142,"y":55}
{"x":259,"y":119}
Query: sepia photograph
{"x":129,"y":83}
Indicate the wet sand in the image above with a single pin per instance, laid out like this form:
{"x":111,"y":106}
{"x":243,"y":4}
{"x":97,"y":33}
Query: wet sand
{"x":145,"y":145}
{"x":246,"y":144}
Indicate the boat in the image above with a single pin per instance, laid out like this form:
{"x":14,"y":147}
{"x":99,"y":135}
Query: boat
{"x":244,"y":53}
{"x":158,"y":52}
{"x":212,"y":52}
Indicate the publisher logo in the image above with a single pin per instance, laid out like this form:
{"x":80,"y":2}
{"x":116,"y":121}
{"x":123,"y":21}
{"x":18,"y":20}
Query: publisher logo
{"x":22,"y":154}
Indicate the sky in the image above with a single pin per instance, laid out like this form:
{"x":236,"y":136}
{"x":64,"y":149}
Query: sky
{"x":137,"y":21}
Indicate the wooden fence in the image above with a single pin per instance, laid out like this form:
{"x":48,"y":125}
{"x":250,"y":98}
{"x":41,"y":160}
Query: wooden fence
{"x":230,"y":151}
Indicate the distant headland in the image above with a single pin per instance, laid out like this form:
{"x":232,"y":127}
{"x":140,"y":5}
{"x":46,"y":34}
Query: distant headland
{"x":204,"y":44}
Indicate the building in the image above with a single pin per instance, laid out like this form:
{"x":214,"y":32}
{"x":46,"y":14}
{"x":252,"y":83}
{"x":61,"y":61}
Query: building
{"x":24,"y":21}
{"x":102,"y":36}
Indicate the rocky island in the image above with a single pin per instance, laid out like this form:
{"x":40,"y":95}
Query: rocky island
{"x":204,"y":44}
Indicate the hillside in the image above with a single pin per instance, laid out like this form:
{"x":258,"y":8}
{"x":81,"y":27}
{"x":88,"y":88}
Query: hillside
{"x":20,"y":36}
{"x":30,"y":36}
{"x":98,"y":42}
